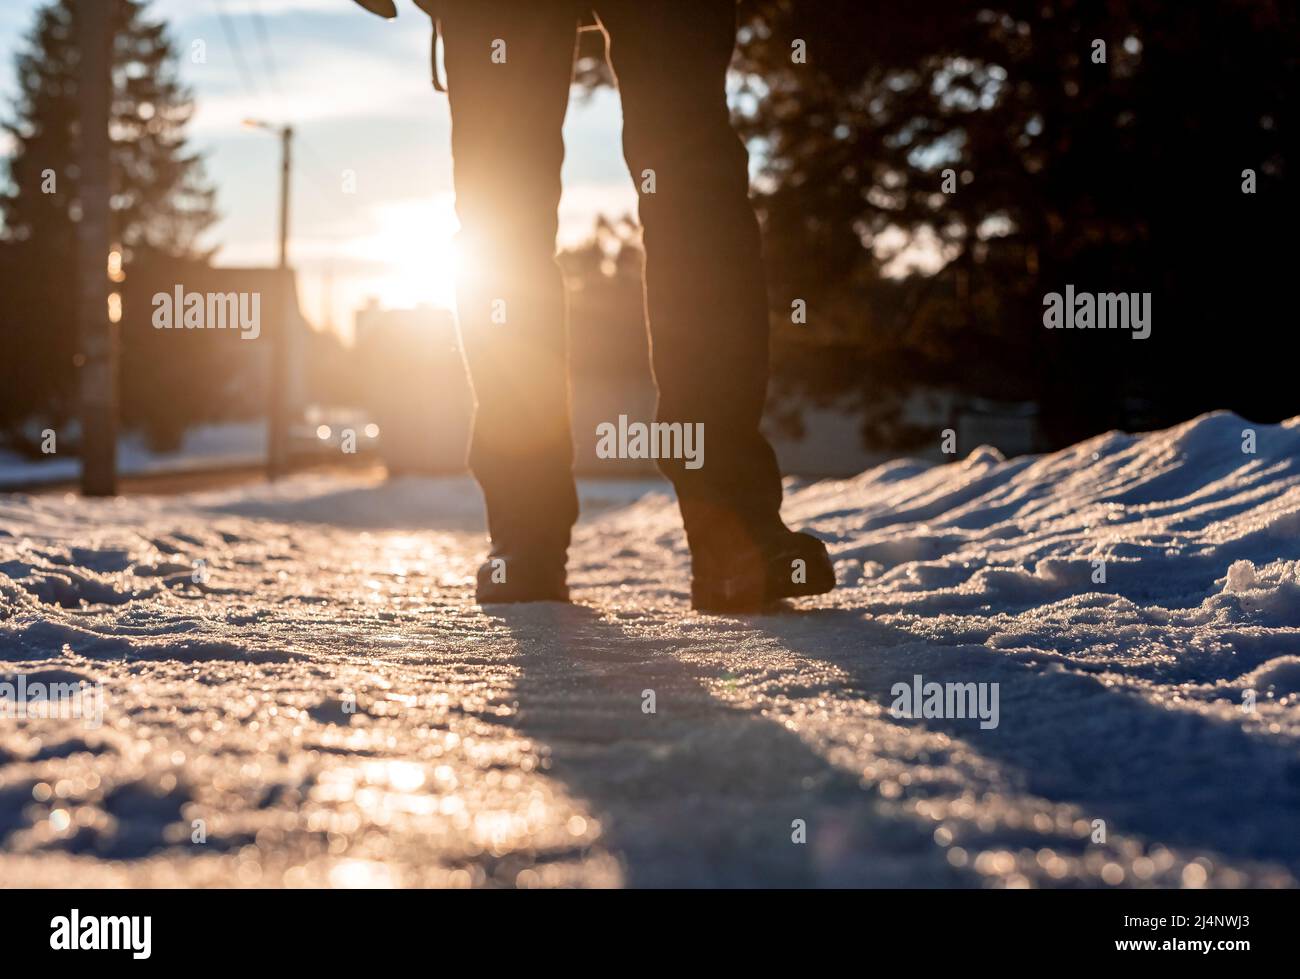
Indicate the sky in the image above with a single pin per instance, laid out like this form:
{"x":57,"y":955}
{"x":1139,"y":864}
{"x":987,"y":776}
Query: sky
{"x":356,"y":90}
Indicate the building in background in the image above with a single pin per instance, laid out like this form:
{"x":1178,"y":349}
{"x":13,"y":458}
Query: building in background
{"x":413,"y":382}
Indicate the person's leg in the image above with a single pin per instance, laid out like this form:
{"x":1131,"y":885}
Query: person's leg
{"x":509,"y":66}
{"x":705,"y":289}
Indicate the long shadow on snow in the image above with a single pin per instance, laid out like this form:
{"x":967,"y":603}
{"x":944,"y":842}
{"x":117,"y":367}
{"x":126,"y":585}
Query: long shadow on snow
{"x":699,"y":793}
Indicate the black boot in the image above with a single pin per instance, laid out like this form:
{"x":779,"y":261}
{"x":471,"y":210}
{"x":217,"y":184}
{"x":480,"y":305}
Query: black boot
{"x":747,"y":579}
{"x":522,"y":577}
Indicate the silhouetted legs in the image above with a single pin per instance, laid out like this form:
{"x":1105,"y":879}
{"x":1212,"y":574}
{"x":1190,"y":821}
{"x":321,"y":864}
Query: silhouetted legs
{"x":706,"y":296}
{"x":705,"y":292}
{"x":509,"y":66}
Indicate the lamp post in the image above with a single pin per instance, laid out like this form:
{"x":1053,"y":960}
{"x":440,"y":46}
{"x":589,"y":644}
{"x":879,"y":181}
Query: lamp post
{"x":277,"y":417}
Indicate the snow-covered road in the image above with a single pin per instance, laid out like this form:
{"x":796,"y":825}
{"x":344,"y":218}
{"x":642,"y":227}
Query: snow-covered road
{"x":298,"y":690}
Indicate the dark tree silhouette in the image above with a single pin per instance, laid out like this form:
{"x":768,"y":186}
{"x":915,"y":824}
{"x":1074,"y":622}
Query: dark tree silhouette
{"x":161,"y":202}
{"x":1122,"y":174}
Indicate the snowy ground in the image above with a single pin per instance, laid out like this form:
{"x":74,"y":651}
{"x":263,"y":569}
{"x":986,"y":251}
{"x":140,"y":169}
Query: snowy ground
{"x":509,"y":746}
{"x":205,"y":446}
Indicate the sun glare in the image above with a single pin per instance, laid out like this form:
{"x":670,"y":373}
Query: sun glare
{"x":411,"y":253}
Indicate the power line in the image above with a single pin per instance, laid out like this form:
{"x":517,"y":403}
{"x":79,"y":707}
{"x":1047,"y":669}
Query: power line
{"x":264,"y":46}
{"x":269,"y":69}
{"x":236,"y":48}
{"x":269,"y":72}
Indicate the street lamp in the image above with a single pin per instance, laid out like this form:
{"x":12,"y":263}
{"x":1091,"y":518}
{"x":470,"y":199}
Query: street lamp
{"x":277,"y":420}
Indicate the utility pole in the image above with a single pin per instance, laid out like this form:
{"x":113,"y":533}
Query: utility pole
{"x":286,"y":155}
{"x":97,"y":319}
{"x":277,"y":412}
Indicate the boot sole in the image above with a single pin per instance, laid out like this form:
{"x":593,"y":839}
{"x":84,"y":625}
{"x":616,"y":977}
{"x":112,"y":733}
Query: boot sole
{"x":520,"y":597}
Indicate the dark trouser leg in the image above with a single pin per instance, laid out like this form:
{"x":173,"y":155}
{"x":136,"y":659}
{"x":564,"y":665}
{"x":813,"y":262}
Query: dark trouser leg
{"x":509,"y":66}
{"x":705,"y":290}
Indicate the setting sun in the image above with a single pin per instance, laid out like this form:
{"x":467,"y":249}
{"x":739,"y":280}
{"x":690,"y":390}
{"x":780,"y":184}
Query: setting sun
{"x":410,"y":256}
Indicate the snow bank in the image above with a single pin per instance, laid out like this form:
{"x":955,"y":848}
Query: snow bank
{"x":205,"y":446}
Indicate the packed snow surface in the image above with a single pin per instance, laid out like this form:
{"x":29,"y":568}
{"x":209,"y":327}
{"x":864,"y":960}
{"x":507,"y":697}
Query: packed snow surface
{"x":299,"y":690}
{"x":205,"y":446}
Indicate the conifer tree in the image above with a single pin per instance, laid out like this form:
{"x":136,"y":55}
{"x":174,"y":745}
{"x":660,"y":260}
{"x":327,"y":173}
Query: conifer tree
{"x":161,"y":201}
